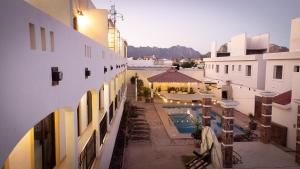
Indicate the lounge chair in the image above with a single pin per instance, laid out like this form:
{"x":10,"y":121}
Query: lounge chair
{"x":200,"y":160}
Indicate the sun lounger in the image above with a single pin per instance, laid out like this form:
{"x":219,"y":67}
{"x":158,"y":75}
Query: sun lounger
{"x":200,"y":160}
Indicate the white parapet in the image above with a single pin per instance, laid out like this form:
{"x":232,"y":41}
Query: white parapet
{"x":229,"y":103}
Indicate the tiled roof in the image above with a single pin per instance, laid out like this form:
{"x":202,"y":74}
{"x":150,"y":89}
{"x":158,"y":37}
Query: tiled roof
{"x":172,"y":75}
{"x":283,"y":98}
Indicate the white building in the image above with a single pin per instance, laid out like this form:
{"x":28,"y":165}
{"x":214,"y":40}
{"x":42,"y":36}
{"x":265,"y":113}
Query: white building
{"x":237,"y":72}
{"x":62,"y":89}
{"x":249,"y":69}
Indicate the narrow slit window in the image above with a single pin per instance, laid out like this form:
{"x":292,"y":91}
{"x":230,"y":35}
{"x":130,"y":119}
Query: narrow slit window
{"x":52,"y":40}
{"x":43,"y":38}
{"x":32,"y":36}
{"x":296,"y":68}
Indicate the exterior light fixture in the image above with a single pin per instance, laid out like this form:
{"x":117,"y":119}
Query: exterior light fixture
{"x":56,"y":76}
{"x":111,"y":67}
{"x":105,"y":69}
{"x":87,"y":73}
{"x":79,"y":12}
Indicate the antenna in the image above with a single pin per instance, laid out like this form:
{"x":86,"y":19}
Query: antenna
{"x":113,"y":14}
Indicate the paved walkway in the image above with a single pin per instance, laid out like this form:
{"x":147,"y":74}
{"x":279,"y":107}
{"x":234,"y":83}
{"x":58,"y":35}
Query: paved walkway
{"x":161,"y":153}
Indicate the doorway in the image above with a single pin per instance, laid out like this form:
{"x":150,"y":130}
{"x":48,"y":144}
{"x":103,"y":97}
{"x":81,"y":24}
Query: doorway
{"x":44,"y":143}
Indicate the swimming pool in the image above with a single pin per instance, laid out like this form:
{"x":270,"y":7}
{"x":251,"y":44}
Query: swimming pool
{"x":183,"y":116}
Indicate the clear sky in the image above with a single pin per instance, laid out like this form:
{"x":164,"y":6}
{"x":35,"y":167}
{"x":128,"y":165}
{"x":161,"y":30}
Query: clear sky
{"x":196,"y":23}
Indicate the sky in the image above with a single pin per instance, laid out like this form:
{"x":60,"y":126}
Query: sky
{"x":197,"y":23}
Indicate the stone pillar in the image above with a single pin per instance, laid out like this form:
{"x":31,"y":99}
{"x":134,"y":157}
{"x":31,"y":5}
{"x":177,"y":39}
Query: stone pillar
{"x":297,"y":158}
{"x":206,"y":108}
{"x":227,"y":131}
{"x":266,"y":116}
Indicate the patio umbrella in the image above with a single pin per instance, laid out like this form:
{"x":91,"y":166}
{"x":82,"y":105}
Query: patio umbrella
{"x":208,"y":139}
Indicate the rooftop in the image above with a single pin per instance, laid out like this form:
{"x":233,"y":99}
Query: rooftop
{"x":172,"y":75}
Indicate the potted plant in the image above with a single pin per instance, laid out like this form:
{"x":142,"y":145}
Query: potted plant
{"x":197,"y":133}
{"x":146,"y":92}
{"x":252,"y":123}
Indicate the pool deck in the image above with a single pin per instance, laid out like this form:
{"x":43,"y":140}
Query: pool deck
{"x":164,"y":152}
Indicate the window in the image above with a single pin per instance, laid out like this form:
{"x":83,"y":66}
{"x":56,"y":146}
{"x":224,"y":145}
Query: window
{"x":296,"y":68}
{"x":240,"y":67}
{"x":217,"y":68}
{"x":212,"y":66}
{"x":32,"y":36}
{"x":43,"y":38}
{"x":277,"y":73}
{"x":226,"y":69}
{"x":248,"y":70}
{"x":52,"y":40}
{"x":89,"y":107}
{"x":232,"y":67}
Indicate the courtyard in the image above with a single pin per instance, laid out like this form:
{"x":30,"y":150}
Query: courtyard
{"x":161,"y":151}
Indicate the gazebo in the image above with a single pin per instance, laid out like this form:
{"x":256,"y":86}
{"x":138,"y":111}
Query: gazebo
{"x":173,"y":81}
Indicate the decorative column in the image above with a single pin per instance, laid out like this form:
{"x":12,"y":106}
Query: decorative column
{"x":227,"y":131}
{"x":297,"y":158}
{"x":266,"y":116}
{"x":206,"y":108}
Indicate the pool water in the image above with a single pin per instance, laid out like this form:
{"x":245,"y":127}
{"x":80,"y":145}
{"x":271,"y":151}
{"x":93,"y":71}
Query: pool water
{"x":184,"y":118}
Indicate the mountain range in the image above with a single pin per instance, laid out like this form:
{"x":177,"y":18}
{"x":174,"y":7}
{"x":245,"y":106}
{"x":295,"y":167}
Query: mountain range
{"x":174,"y":52}
{"x":179,"y":52}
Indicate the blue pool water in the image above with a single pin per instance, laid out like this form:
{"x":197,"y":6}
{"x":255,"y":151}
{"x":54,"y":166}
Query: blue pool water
{"x":184,"y":116}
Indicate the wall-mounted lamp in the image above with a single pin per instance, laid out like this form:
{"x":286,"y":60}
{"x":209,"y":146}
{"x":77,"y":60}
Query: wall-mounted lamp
{"x":87,"y":73}
{"x":111,"y":67}
{"x":79,"y":12}
{"x":105,"y":69}
{"x":56,"y":76}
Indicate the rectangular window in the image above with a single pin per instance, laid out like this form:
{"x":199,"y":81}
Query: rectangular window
{"x":240,"y":67}
{"x":232,"y":67}
{"x":217,"y":68}
{"x":32,"y":36}
{"x":277,"y":73}
{"x":226,"y":69}
{"x":296,"y":68}
{"x":52,"y":40}
{"x":43,"y":38}
{"x":212,"y":66}
{"x":89,"y":107}
{"x":248,"y":70}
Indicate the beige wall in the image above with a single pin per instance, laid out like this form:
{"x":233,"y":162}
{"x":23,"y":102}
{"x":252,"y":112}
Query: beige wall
{"x":94,"y":24}
{"x":22,"y":155}
{"x":58,"y":9}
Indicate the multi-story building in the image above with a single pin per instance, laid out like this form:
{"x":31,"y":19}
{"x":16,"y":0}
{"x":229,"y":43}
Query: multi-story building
{"x":247,"y":68}
{"x":237,"y":72}
{"x":63,"y":88}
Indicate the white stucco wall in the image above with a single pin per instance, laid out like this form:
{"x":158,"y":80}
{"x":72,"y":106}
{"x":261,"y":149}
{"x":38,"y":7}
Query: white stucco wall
{"x":236,"y":76}
{"x":295,"y":35}
{"x":288,"y":60}
{"x":237,"y":45}
{"x":26,"y":92}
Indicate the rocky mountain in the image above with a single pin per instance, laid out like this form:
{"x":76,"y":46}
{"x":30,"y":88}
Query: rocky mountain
{"x":273,"y":48}
{"x":174,"y":52}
